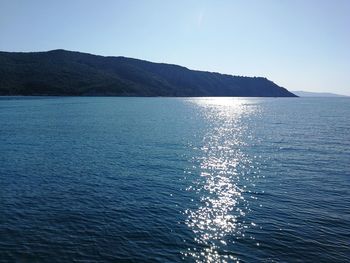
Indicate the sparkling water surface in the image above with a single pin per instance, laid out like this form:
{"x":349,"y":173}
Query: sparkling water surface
{"x":105,"y":179}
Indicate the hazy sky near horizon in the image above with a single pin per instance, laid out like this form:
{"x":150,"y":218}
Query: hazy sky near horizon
{"x":298,"y":44}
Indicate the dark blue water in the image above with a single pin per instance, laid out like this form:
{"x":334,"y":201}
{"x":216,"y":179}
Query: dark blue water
{"x":171,"y":180}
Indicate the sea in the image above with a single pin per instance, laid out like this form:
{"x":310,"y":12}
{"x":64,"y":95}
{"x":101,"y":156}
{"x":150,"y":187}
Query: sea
{"x":111,"y":179}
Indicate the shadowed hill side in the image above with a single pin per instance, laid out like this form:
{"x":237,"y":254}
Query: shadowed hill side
{"x":61,"y":72}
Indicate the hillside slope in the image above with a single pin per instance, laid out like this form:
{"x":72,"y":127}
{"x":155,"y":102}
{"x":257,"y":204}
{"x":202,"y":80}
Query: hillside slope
{"x":61,"y":72}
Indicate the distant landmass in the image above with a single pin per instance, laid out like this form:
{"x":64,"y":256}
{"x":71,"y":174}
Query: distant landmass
{"x":61,"y":72}
{"x":316,"y":94}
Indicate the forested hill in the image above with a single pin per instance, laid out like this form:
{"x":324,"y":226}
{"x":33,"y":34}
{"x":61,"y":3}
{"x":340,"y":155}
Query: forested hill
{"x":61,"y":72}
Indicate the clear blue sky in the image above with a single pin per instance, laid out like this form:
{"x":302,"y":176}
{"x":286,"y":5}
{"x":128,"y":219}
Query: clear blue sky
{"x":299,"y":44}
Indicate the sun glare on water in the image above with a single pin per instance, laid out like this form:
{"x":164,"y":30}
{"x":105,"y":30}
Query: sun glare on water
{"x":222,"y":179}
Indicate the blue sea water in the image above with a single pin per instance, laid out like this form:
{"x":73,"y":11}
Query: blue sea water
{"x":105,"y":179}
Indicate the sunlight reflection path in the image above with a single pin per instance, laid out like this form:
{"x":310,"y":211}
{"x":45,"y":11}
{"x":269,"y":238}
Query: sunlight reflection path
{"x":219,"y":217}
